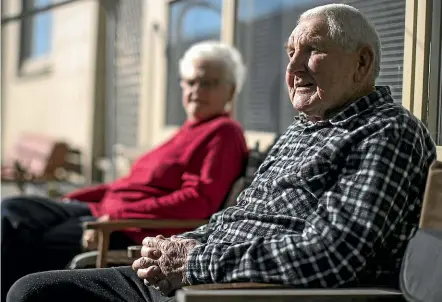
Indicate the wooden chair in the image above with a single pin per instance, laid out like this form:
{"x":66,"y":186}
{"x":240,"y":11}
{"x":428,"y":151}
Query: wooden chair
{"x":103,"y":256}
{"x":35,"y":158}
{"x":420,"y":277}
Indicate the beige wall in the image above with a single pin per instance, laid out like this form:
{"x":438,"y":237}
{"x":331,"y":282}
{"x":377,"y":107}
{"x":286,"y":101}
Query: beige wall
{"x":153,"y":75}
{"x":59,"y":102}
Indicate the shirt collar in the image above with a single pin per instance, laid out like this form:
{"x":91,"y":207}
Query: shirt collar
{"x":382,"y":94}
{"x":195,"y":123}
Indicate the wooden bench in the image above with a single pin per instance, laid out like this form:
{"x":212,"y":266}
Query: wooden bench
{"x":419,"y":277}
{"x":69,"y":177}
{"x":35,"y":158}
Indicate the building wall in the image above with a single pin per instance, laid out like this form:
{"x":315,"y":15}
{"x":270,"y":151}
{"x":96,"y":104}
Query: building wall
{"x":53,"y":95}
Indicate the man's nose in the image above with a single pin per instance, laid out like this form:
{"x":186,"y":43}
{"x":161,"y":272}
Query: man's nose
{"x":297,"y":63}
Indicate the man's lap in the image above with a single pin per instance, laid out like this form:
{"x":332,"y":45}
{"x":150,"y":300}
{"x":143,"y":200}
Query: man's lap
{"x":110,"y":284}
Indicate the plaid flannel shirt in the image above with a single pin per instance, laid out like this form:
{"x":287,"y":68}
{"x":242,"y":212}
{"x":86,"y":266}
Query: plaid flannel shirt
{"x":333,"y":204}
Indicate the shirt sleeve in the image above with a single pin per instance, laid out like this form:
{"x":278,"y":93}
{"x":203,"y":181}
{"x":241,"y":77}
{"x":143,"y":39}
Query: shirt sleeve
{"x":382,"y":181}
{"x":200,"y":234}
{"x":89,"y":194}
{"x":201,"y":194}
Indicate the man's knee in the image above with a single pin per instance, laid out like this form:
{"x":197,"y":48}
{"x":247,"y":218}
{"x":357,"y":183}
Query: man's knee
{"x":27,"y":288}
{"x":43,"y":286}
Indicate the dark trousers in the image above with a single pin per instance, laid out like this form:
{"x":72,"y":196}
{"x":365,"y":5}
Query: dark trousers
{"x":40,"y":234}
{"x":106,"y":284}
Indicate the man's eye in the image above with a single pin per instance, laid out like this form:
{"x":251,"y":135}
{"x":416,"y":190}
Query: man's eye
{"x":314,"y":50}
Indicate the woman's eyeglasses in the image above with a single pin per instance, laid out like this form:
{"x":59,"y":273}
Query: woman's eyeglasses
{"x":202,"y":83}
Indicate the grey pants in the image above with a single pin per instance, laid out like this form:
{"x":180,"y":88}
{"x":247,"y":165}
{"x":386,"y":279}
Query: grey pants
{"x":106,"y":284}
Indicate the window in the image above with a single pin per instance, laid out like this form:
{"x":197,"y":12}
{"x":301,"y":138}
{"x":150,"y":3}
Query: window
{"x":189,"y":22}
{"x":263,"y":27}
{"x":36,"y":31}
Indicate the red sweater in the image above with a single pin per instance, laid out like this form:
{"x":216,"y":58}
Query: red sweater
{"x":188,"y":177}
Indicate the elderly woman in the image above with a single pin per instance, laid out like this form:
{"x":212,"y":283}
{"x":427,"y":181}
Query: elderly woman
{"x":186,"y":177}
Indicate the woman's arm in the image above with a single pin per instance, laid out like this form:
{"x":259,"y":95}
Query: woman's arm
{"x":200,"y":194}
{"x":89,"y":193}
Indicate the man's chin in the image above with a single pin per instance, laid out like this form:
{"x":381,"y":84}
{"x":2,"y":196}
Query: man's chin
{"x":308,"y":108}
{"x":302,"y":105}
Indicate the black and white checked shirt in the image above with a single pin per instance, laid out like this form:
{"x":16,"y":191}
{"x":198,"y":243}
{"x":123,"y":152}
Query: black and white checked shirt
{"x":333,"y":204}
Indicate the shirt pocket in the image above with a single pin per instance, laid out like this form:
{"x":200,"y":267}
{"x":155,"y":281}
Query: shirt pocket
{"x":306,"y":176}
{"x":316,"y":175}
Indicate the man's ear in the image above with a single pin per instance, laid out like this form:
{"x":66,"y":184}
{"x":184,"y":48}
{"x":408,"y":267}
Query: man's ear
{"x":365,"y":66}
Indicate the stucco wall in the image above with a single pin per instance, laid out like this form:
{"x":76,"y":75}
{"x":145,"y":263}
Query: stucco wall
{"x":59,"y":102}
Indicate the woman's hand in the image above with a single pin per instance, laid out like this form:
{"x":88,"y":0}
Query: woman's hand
{"x":90,"y":237}
{"x":163,"y":262}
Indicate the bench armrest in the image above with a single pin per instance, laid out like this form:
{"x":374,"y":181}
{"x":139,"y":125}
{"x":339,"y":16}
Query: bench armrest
{"x":105,"y":228}
{"x":283,"y":295}
{"x":117,"y":225}
{"x":235,"y":285}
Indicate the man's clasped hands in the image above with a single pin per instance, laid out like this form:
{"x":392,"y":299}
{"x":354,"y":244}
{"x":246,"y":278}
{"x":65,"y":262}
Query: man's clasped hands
{"x":163,"y":262}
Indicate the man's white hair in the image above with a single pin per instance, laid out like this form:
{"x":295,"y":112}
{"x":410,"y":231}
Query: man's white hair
{"x":228,"y":56}
{"x":349,"y":27}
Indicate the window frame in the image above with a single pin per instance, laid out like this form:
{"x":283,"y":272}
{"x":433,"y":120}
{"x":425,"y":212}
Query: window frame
{"x":435,"y":74}
{"x":263,"y":138}
{"x":416,"y":82}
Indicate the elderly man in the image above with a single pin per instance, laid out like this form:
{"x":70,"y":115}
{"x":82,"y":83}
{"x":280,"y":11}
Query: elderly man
{"x":333,"y":204}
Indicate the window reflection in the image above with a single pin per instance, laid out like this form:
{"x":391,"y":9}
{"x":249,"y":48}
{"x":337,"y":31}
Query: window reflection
{"x":42,"y":30}
{"x":189,"y":22}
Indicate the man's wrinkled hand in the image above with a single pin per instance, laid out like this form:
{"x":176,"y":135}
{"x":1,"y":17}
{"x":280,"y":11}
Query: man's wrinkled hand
{"x":163,"y":262}
{"x":90,"y":237}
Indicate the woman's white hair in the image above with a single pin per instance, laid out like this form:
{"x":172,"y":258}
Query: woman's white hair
{"x":350,"y":28}
{"x":228,"y":56}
